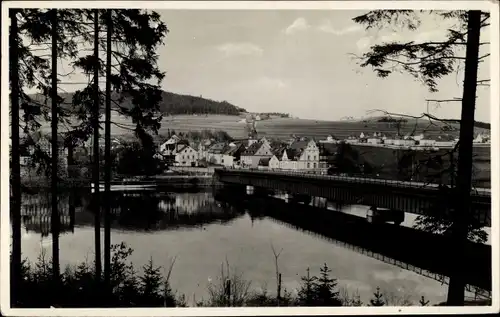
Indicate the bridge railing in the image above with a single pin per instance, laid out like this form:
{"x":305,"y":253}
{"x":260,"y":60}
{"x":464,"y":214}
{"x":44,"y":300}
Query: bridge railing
{"x":353,"y":179}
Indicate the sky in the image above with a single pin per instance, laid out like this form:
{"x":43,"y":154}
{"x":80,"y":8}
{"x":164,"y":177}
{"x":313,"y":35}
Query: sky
{"x":298,"y":62}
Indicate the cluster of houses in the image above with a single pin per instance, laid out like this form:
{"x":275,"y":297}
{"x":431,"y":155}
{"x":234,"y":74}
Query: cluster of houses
{"x":297,"y":154}
{"x":421,"y":140}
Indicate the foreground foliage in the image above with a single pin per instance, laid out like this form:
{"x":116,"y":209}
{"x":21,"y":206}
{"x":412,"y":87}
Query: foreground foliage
{"x":78,"y":288}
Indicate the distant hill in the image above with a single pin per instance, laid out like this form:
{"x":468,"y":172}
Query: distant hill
{"x":172,"y":104}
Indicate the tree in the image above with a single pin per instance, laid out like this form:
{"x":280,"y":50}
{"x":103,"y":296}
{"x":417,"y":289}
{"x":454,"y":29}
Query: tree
{"x":325,"y":289}
{"x":55,"y":148}
{"x":378,"y":298}
{"x":15,"y":183}
{"x":35,"y":30}
{"x":429,"y":61}
{"x":306,"y":294}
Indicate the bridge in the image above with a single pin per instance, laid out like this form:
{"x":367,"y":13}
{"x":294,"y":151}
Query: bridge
{"x":411,"y":197}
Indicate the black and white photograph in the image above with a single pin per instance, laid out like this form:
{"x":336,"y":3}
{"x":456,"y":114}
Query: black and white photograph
{"x":249,"y":158}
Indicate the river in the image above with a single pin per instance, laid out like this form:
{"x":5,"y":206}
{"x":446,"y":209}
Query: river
{"x":201,"y":233}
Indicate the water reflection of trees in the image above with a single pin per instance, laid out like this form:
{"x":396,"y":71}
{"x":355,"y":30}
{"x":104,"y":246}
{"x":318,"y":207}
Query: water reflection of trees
{"x":164,"y":211}
{"x":36,"y":212}
{"x":137,"y":211}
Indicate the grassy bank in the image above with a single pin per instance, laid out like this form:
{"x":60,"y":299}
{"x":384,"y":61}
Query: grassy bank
{"x":78,"y":288}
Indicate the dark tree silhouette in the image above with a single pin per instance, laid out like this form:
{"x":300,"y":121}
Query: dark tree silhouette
{"x":326,"y":293}
{"x":378,"y":298}
{"x":306,"y":293}
{"x":428,"y":62}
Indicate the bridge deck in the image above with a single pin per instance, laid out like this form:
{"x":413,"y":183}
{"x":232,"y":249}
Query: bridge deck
{"x":411,"y":197}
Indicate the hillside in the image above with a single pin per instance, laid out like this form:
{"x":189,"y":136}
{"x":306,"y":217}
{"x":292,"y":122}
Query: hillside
{"x":172,"y":104}
{"x":411,"y":121}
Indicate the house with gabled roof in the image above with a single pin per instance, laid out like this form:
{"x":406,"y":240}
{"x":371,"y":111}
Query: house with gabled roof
{"x":231,"y":155}
{"x":251,"y":156}
{"x":185,"y":156}
{"x":307,"y":153}
{"x":215,"y":153}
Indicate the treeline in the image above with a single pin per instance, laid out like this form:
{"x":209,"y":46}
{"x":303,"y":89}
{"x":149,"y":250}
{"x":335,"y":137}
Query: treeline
{"x":171,"y":104}
{"x":278,"y":114}
{"x":196,"y":136}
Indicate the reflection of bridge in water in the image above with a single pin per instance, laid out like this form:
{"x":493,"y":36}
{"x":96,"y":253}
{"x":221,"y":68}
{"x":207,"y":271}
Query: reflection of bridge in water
{"x":421,"y":252}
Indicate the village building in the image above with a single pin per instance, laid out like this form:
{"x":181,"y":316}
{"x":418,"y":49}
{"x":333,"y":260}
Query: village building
{"x":352,"y":140}
{"x":426,"y":141}
{"x":231,"y":155}
{"x":215,"y":153}
{"x":375,"y":139}
{"x":404,"y":141}
{"x":327,"y":152}
{"x":263,"y":163}
{"x":185,"y":156}
{"x":274,"y":163}
{"x":329,"y":139}
{"x":301,"y":155}
{"x":251,"y":156}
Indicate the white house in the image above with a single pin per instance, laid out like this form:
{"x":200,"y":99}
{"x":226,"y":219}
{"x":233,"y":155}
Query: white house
{"x":301,"y":155}
{"x":186,"y":156}
{"x":251,"y":156}
{"x":231,"y":155}
{"x":427,"y":142}
{"x":329,"y":139}
{"x":274,"y":162}
{"x":352,"y":140}
{"x":404,"y":142}
{"x":375,"y":139}
{"x":168,"y":145}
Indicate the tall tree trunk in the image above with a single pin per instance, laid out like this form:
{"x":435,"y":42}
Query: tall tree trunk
{"x":462,"y":210}
{"x":55,"y":148}
{"x":15,"y":202}
{"x":107,"y":154}
{"x":95,"y":170}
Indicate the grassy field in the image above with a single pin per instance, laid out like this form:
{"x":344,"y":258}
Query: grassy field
{"x":282,"y":127}
{"x":276,"y":127}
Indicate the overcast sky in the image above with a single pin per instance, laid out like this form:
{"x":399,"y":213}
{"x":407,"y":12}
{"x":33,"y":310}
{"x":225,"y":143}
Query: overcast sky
{"x":297,"y":62}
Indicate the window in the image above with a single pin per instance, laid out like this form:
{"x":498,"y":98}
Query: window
{"x":308,"y":165}
{"x":308,"y":157}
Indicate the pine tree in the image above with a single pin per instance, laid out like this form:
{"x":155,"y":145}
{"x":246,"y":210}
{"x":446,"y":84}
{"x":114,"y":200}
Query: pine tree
{"x":151,"y":285}
{"x":325,"y":289}
{"x":378,"y":298}
{"x":307,"y":294}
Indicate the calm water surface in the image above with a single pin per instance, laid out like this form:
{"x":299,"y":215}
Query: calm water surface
{"x":202,"y":233}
